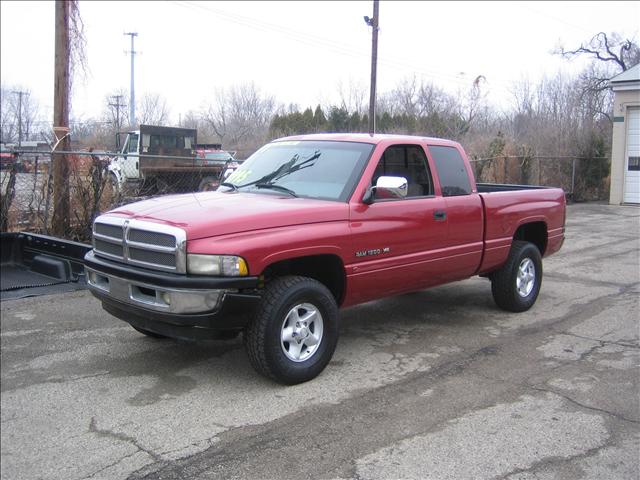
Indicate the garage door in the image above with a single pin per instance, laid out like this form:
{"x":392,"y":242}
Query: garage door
{"x":632,"y":163}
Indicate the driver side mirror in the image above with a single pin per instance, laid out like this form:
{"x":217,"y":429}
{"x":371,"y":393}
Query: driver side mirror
{"x":385,"y":188}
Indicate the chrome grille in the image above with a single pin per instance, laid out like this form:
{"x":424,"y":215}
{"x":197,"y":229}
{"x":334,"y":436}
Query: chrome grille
{"x":154,"y":238}
{"x":110,"y":248}
{"x":113,"y":231}
{"x":157,"y":258}
{"x":137,"y":242}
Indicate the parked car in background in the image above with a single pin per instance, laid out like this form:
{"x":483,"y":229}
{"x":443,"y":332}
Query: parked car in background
{"x":211,"y":156}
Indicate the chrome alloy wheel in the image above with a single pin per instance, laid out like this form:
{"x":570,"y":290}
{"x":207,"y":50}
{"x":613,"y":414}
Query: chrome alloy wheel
{"x":526,"y":278}
{"x":301,"y":332}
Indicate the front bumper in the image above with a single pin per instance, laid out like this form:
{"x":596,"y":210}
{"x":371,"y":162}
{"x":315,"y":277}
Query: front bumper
{"x":174,"y":305}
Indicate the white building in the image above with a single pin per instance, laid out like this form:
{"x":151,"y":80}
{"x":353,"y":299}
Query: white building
{"x":625,"y":149}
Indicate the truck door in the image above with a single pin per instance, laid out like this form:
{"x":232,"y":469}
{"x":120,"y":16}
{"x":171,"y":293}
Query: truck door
{"x":397,"y":242}
{"x":464,"y":211}
{"x":130,"y":154}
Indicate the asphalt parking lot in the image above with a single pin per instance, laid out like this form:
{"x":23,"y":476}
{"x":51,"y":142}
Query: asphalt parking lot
{"x":438,"y":384}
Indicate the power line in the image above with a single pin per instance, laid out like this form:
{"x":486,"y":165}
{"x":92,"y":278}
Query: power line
{"x":332,"y":45}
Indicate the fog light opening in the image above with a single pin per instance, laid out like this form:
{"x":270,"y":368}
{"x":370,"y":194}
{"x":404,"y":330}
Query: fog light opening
{"x":166,"y":297}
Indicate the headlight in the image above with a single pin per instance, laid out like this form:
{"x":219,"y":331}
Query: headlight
{"x":222,"y":265}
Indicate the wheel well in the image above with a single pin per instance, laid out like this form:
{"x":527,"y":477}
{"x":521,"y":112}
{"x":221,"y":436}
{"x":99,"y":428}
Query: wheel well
{"x":327,"y":269}
{"x":535,"y":232}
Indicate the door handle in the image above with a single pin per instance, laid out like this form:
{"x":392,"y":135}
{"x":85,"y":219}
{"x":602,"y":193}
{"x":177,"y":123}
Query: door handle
{"x":440,"y":215}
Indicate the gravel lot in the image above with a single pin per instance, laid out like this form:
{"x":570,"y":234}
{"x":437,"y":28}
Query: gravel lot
{"x":438,"y":384}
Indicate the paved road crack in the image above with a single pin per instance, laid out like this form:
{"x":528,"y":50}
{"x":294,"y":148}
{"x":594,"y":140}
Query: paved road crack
{"x":539,"y":388}
{"x":582,"y":405}
{"x":554,"y":461}
{"x":605,"y":342}
{"x":111,"y":465}
{"x":102,"y":432}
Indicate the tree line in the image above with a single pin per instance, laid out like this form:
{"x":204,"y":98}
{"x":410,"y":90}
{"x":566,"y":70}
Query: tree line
{"x":560,"y":116}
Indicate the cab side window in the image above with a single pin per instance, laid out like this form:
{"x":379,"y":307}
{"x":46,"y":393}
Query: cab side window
{"x":454,"y":178}
{"x":410,"y":162}
{"x":133,"y":144}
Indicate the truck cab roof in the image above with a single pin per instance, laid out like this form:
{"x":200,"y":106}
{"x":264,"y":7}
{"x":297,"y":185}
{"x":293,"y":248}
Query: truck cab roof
{"x":366,"y":138}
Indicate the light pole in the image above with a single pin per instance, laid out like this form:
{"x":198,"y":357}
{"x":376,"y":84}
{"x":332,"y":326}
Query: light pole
{"x":374,"y":24}
{"x":132,"y":98}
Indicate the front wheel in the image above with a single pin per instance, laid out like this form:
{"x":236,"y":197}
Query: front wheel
{"x":294,"y":332}
{"x":516,"y":285}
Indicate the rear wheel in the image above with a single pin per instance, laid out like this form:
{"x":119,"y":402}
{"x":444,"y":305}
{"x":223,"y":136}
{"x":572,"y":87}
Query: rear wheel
{"x":516,"y":285}
{"x":294,"y":332}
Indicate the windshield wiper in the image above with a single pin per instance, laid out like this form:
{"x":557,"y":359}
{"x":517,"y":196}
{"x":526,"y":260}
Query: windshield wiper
{"x":283,"y":170}
{"x":273,"y":186}
{"x":233,"y":187}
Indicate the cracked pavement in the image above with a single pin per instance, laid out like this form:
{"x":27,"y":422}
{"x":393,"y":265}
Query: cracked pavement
{"x":438,"y":384}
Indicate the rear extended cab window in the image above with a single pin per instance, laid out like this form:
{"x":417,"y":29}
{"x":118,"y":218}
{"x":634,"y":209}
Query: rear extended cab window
{"x":452,"y":171}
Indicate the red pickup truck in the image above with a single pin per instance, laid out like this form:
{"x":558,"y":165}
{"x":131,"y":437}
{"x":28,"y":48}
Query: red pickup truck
{"x":311,"y":224}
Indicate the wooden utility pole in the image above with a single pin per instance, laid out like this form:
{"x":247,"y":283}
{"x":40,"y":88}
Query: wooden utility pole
{"x":117,"y":105}
{"x":20,"y":94}
{"x":60,"y":222}
{"x":373,"y":22}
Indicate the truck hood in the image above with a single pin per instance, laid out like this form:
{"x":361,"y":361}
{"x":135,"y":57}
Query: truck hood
{"x":209,"y":214}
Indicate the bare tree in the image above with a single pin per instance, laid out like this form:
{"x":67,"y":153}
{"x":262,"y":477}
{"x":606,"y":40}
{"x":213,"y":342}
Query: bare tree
{"x":192,"y":119}
{"x":353,"y":97}
{"x":404,"y":97}
{"x":8,"y":124}
{"x":611,"y":55}
{"x":30,"y":115}
{"x":240,"y":116}
{"x":18,"y":112}
{"x":611,"y":49}
{"x":153,"y":110}
{"x":475,"y":101}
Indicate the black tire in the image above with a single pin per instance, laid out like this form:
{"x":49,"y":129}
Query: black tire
{"x":208,"y":184}
{"x":148,"y":333}
{"x":269,"y":353}
{"x":512,"y":289}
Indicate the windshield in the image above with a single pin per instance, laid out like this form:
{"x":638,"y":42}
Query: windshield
{"x":217,"y":156}
{"x":313,"y":169}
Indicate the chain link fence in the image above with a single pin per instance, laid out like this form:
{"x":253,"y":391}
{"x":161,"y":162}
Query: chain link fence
{"x":27,"y":182}
{"x":582,"y":179}
{"x":96,"y":182}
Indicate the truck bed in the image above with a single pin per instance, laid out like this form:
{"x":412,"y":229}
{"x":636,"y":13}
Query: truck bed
{"x":507,"y":207}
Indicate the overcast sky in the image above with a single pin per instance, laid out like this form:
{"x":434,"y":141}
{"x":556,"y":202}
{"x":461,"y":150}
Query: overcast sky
{"x":300,"y":52}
